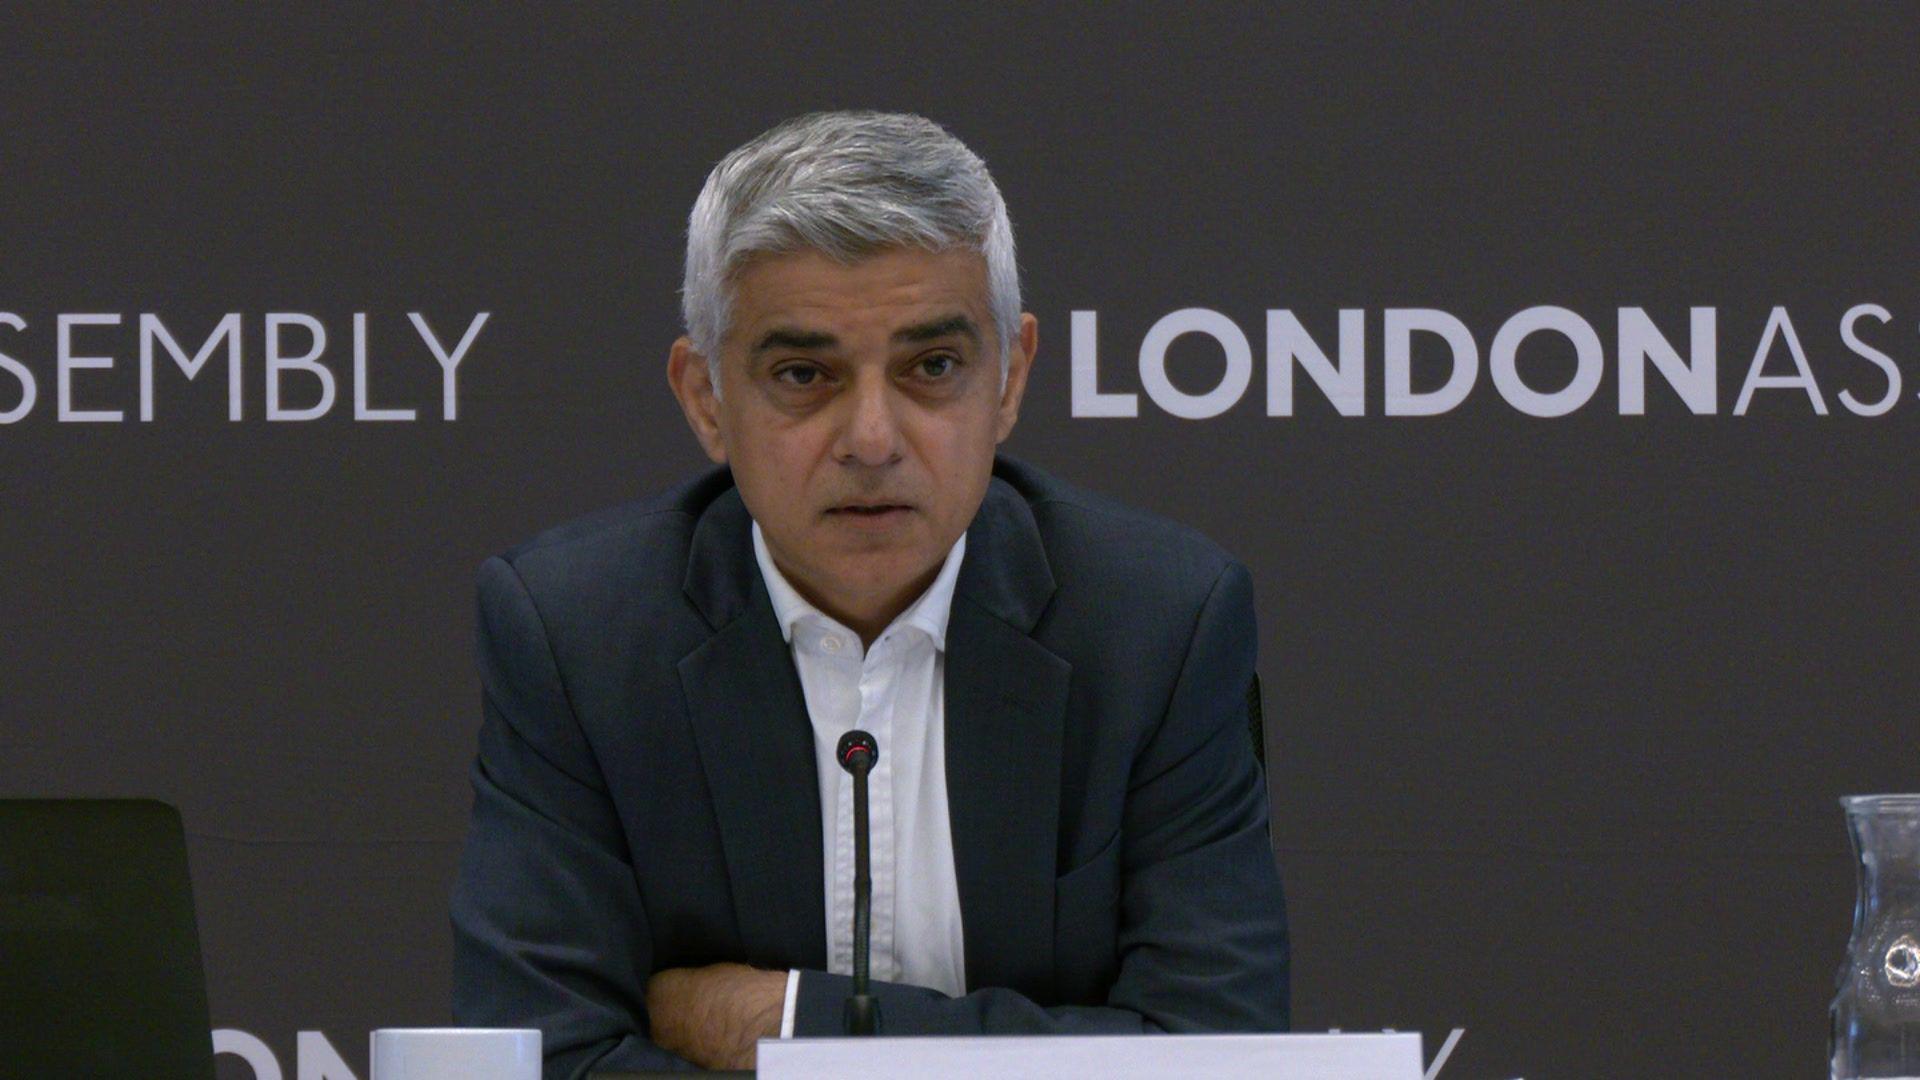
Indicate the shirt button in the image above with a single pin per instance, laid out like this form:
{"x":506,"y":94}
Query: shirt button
{"x":831,"y":643}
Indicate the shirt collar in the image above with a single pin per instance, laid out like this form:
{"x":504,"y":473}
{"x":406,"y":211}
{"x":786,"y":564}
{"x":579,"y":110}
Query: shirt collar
{"x":928,"y":614}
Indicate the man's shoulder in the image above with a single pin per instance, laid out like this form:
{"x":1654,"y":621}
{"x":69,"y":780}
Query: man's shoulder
{"x":639,"y":538}
{"x":1092,"y":544}
{"x":1093,"y":541}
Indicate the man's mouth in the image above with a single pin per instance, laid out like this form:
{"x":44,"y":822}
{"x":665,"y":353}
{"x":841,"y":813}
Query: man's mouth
{"x":869,"y":510}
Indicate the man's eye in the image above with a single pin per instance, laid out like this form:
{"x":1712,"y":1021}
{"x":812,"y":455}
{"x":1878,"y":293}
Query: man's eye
{"x":938,"y":366}
{"x":798,"y":375}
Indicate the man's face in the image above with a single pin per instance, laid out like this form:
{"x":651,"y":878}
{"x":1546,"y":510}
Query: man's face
{"x":859,"y":408}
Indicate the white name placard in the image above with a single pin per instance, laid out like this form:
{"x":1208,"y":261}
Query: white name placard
{"x":1098,"y":1057}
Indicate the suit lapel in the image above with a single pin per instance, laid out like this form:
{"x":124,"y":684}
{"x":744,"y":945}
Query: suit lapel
{"x":756,"y":747}
{"x":1005,"y":709}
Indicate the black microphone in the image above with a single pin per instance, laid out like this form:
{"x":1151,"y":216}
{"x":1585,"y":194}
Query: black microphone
{"x":857,"y":753}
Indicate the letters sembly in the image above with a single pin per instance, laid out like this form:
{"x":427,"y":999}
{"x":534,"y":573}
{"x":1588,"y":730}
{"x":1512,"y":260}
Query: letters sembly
{"x":86,"y":369}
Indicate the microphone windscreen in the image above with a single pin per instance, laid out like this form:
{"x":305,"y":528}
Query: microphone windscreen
{"x":857,"y":742}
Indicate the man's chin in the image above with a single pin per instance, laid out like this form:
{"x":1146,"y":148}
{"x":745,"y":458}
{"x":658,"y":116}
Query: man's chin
{"x":879,"y":568}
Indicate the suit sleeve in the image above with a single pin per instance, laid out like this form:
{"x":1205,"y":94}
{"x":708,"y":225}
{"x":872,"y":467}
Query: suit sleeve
{"x":548,"y":927}
{"x":1203,"y":927}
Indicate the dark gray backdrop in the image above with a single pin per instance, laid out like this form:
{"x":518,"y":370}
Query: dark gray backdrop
{"x":1558,"y":708}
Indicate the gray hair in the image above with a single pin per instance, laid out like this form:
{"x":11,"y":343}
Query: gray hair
{"x":846,"y":184}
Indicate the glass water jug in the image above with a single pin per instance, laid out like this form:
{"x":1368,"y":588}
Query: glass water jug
{"x":1874,"y":1026}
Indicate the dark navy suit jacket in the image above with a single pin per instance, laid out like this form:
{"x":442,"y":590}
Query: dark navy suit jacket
{"x":646,"y":795}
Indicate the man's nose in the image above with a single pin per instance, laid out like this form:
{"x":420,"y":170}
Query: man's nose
{"x":871,"y":434}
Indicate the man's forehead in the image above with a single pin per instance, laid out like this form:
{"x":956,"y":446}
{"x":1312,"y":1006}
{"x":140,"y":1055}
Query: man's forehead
{"x":936,"y":328}
{"x":907,"y":294}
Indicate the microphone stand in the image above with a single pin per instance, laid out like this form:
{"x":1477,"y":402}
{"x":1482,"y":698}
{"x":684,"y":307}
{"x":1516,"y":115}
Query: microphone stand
{"x":858,"y":752}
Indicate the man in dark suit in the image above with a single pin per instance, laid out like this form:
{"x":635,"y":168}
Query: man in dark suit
{"x":1070,"y":826}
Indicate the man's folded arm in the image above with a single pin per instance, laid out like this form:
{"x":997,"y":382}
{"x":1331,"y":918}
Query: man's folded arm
{"x":548,"y":927}
{"x":1202,"y":934}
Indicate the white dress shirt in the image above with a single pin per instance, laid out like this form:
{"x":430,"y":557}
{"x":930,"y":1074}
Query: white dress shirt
{"x":896,"y":691}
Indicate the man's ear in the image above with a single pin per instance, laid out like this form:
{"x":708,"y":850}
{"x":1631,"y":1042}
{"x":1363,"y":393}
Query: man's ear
{"x":693,"y":385}
{"x":1019,"y":362}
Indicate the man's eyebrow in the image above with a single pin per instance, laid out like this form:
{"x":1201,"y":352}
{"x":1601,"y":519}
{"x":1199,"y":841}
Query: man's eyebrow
{"x":935,"y":329}
{"x":779,"y":338}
